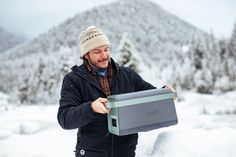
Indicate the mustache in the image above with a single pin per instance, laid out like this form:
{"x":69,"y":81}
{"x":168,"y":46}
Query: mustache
{"x":103,"y":60}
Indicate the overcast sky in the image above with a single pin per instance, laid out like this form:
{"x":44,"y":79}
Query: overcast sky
{"x":31,"y":17}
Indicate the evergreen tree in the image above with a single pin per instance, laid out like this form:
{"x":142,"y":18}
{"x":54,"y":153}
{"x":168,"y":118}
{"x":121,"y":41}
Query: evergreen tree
{"x":127,"y":55}
{"x":201,"y":51}
{"x":232,"y":45}
{"x":232,"y":59}
{"x":197,"y":48}
{"x":23,"y":91}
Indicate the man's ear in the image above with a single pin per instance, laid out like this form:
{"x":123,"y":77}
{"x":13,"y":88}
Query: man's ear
{"x":86,"y":56}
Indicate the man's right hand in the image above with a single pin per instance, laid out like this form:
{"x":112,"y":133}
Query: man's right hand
{"x":99,"y":106}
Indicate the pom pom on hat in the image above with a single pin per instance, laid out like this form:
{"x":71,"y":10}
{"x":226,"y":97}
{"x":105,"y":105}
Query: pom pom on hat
{"x":92,"y":38}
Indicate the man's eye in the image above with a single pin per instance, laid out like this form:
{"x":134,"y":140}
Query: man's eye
{"x":96,"y":52}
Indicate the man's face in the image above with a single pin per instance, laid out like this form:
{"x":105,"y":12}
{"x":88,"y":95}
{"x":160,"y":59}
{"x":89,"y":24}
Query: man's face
{"x":99,"y":57}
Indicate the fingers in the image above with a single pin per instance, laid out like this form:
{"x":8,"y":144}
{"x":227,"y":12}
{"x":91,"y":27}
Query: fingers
{"x":99,"y":106}
{"x":104,"y":109}
{"x":170,"y":87}
{"x":102,"y":100}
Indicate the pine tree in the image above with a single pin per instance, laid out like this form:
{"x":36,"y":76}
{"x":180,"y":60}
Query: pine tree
{"x":197,"y":48}
{"x":232,"y":45}
{"x":201,"y":51}
{"x":23,"y":91}
{"x":231,"y":60}
{"x":127,"y":55}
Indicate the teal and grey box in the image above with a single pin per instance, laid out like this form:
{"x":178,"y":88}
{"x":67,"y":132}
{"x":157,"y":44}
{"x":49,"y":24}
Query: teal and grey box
{"x":141,"y":111}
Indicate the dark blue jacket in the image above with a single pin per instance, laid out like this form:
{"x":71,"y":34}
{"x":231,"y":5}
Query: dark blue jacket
{"x":79,"y":89}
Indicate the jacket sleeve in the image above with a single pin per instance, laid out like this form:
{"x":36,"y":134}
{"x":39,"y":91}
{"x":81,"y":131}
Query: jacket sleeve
{"x":72,"y":113}
{"x":141,"y":84}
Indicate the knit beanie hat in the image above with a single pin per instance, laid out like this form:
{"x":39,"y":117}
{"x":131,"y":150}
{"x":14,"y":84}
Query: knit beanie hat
{"x":92,"y":38}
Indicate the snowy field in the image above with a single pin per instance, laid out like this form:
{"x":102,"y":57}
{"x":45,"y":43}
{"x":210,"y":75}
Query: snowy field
{"x":206,"y":128}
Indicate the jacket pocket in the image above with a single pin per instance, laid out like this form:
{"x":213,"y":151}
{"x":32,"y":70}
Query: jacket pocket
{"x":90,"y":152}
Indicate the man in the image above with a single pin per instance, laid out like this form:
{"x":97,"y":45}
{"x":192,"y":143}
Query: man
{"x":83,"y":98}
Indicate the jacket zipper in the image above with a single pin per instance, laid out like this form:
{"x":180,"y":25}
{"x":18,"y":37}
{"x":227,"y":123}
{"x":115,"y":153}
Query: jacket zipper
{"x":112,"y":145}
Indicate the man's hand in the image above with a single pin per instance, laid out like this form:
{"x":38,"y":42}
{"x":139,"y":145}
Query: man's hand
{"x":99,"y":106}
{"x":170,"y":87}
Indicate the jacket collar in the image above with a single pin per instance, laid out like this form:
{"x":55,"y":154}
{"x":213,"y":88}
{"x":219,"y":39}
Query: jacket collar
{"x":84,"y":73}
{"x":82,"y":69}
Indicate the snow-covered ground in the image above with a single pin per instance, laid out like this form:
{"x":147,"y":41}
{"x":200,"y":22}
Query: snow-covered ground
{"x":206,"y":128}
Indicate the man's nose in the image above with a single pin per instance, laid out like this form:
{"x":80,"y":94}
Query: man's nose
{"x":104,"y":54}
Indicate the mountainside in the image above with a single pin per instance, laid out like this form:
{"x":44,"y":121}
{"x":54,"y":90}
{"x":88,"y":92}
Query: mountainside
{"x":8,"y":40}
{"x":148,"y":25}
{"x":33,"y":71}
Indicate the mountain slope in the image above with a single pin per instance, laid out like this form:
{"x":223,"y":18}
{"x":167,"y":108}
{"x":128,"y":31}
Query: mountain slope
{"x":8,"y":40}
{"x":148,"y":25}
{"x":33,"y":71}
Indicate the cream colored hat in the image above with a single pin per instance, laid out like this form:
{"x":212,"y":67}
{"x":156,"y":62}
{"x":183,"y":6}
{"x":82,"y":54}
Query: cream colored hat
{"x":92,"y":38}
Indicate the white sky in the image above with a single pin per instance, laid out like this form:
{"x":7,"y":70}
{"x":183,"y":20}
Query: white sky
{"x":30,"y":17}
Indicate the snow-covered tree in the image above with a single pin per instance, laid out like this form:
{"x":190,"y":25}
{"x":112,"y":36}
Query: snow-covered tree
{"x":201,"y":56}
{"x":127,"y":54}
{"x":232,"y":45}
{"x":23,"y":91}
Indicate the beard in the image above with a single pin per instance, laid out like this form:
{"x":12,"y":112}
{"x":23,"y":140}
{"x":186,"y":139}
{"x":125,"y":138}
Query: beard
{"x":96,"y":64}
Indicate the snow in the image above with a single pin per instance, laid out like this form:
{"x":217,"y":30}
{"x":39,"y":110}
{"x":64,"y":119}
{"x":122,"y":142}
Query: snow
{"x":206,"y":128}
{"x":3,"y":98}
{"x":33,"y":131}
{"x":196,"y":142}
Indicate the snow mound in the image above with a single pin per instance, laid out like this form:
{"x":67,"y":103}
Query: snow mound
{"x":196,"y":143}
{"x":24,"y":127}
{"x":3,"y":98}
{"x":4,"y":134}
